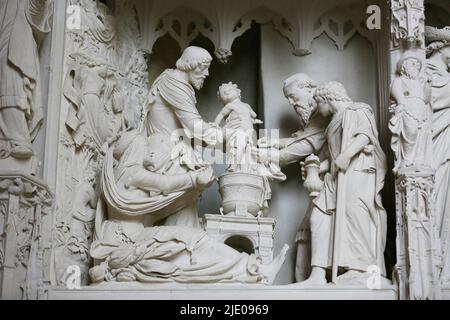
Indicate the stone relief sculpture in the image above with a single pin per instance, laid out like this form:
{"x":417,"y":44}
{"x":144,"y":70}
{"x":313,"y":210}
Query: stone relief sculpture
{"x":243,"y":170}
{"x":104,"y":89}
{"x":129,"y":169}
{"x":92,"y":88}
{"x":348,"y":223}
{"x":438,"y":69}
{"x":411,"y":122}
{"x":25,"y":24}
{"x":151,"y":231}
{"x":129,"y":250}
{"x":299,"y":90}
{"x":172,"y":115}
{"x":240,"y":141}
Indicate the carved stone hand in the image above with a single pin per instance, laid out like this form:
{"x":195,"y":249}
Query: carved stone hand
{"x":342,"y":162}
{"x":265,"y":143}
{"x":205,"y":177}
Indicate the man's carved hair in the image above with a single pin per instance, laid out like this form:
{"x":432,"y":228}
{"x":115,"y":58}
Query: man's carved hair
{"x":301,"y":80}
{"x":193,"y":57}
{"x":331,"y":91}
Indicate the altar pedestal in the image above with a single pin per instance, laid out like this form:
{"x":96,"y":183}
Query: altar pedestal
{"x":230,"y":292}
{"x":259,"y":231}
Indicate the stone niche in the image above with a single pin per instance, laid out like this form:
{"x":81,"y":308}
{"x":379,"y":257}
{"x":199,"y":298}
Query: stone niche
{"x":107,"y":205}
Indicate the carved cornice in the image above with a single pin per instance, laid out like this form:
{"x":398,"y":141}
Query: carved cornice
{"x":222,"y":21}
{"x":29,"y":189}
{"x":408,"y":19}
{"x":422,"y":180}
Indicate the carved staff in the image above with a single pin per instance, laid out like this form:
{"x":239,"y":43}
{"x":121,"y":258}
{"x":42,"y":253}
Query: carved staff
{"x":339,"y":220}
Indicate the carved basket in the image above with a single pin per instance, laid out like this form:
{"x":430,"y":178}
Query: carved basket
{"x":242,"y":194}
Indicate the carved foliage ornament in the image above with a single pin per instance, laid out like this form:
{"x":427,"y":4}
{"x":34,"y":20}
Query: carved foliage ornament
{"x":408,"y":21}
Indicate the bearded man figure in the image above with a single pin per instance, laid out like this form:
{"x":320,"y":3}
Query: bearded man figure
{"x":299,"y":90}
{"x":172,"y":121}
{"x":354,"y":149}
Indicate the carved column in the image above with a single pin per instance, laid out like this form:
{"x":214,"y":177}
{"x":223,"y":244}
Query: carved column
{"x":24,"y":245}
{"x":418,"y":252}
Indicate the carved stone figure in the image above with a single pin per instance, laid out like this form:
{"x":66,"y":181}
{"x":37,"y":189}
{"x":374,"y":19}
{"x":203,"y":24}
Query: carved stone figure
{"x":245,"y":188}
{"x":411,"y":122}
{"x":151,"y":231}
{"x":438,"y":69}
{"x":97,"y":101}
{"x":240,"y":141}
{"x":24,"y":24}
{"x":356,"y":215}
{"x":173,"y":117}
{"x":299,"y":90}
{"x":129,"y":246}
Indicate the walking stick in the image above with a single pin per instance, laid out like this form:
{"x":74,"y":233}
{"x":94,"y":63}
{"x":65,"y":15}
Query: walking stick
{"x":339,"y":221}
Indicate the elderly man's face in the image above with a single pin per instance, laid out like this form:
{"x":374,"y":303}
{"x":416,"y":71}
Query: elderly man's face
{"x":198,"y":75}
{"x":301,"y":99}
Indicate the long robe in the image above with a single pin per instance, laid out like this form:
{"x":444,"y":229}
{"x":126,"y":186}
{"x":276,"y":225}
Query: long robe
{"x":364,"y":235}
{"x":174,"y":119}
{"x":441,"y":160}
{"x":123,"y":245}
{"x":22,"y":22}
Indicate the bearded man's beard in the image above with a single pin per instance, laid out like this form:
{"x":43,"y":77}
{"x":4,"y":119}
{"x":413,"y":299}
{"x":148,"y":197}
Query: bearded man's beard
{"x":304,"y":111}
{"x":197,"y":83}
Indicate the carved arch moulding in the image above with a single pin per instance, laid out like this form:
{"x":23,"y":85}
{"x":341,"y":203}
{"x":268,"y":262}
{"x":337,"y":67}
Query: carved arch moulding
{"x":223,"y":21}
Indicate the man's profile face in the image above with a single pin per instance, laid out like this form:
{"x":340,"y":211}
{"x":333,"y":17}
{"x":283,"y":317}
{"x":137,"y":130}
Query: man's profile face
{"x":301,"y":99}
{"x":198,"y":75}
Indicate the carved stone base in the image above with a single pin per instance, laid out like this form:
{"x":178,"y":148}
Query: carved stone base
{"x":24,"y":242}
{"x":220,"y":292}
{"x":418,"y":252}
{"x":235,"y":231}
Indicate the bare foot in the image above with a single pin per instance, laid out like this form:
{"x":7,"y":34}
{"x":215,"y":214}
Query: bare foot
{"x":317,"y":278}
{"x":270,"y":271}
